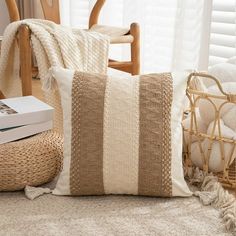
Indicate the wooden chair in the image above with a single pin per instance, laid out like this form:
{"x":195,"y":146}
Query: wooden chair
{"x":118,"y":35}
{"x":51,"y":12}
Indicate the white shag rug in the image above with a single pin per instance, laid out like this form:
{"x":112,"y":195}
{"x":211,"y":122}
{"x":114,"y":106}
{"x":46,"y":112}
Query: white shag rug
{"x":107,"y":215}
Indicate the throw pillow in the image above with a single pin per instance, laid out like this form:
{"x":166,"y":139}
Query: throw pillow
{"x":123,"y":135}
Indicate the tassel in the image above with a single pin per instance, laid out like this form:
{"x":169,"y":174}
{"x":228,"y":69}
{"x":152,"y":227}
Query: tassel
{"x":212,"y":193}
{"x":34,"y":192}
{"x":206,"y":198}
{"x":48,"y":82}
{"x":196,"y":176}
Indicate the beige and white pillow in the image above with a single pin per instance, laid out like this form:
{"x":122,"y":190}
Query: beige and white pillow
{"x":123,"y":135}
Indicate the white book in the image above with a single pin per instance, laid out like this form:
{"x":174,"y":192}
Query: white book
{"x":12,"y":134}
{"x":23,"y":111}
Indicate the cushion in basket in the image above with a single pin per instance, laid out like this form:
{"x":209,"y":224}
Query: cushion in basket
{"x":122,"y":135}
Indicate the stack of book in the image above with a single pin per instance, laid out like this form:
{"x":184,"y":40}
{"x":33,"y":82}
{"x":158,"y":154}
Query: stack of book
{"x":23,"y":117}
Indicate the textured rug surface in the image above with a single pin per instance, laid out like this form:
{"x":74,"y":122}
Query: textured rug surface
{"x":109,"y":215}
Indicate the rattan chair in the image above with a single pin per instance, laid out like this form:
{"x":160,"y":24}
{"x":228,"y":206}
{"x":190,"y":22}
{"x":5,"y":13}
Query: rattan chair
{"x":51,"y":12}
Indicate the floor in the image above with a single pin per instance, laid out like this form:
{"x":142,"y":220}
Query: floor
{"x":51,"y":215}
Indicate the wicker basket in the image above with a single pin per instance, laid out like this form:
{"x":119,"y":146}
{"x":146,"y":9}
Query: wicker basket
{"x":228,"y":175}
{"x":32,"y":161}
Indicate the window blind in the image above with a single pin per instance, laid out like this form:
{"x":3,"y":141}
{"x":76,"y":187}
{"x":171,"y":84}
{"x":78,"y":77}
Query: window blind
{"x":223,"y":31}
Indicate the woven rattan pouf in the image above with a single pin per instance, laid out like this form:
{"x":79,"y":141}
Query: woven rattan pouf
{"x":32,"y":161}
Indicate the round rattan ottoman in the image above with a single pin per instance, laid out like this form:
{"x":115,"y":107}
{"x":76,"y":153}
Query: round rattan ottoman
{"x":32,"y":161}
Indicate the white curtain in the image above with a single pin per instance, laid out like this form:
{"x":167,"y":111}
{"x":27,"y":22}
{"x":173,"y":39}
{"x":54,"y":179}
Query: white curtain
{"x":174,"y":33}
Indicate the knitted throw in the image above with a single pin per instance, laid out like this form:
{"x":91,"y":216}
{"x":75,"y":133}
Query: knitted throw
{"x":53,"y":45}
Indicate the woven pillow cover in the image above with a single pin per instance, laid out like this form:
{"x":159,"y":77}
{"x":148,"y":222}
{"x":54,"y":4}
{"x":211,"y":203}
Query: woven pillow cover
{"x":123,"y":135}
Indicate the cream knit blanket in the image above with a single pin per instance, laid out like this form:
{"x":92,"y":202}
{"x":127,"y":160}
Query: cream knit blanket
{"x":53,"y":45}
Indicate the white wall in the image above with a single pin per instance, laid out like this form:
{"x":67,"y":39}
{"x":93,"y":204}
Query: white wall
{"x":4,"y":18}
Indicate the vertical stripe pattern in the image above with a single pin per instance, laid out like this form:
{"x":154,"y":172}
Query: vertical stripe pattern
{"x":121,"y":135}
{"x":155,"y":135}
{"x":86,"y":174}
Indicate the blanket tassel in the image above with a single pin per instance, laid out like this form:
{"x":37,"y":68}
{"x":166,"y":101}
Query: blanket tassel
{"x":48,"y":82}
{"x":212,"y":193}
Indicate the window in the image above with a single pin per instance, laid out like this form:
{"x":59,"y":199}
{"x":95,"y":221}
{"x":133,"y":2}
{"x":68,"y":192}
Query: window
{"x":223,"y":31}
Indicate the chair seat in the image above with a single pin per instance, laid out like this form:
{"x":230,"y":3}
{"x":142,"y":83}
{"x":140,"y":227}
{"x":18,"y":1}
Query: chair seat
{"x":117,"y":35}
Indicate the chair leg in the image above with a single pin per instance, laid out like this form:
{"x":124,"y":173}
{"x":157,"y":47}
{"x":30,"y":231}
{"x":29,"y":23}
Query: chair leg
{"x":135,"y":48}
{"x":2,"y":95}
{"x":25,"y":60}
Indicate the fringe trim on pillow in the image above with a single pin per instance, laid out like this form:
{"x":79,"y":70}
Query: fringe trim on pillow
{"x":34,"y":192}
{"x":212,"y":193}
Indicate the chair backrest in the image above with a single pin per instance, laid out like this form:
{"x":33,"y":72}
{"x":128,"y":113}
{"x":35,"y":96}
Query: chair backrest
{"x":51,"y":11}
{"x":93,"y":19}
{"x":13,"y":10}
